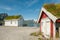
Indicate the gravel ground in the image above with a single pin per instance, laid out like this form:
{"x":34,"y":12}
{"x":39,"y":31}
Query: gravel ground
{"x":17,"y":33}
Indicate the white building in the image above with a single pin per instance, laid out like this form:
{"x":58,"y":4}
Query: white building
{"x":14,"y":21}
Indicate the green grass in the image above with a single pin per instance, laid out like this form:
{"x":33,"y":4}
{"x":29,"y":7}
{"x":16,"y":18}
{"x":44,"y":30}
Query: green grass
{"x":13,"y":17}
{"x":57,"y":34}
{"x":39,"y":38}
{"x":53,"y":8}
{"x":33,"y":34}
{"x":36,"y":34}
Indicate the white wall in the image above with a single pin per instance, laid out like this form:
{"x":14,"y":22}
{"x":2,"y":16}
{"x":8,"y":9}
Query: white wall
{"x":45,"y":25}
{"x":16,"y":22}
{"x":11,"y":22}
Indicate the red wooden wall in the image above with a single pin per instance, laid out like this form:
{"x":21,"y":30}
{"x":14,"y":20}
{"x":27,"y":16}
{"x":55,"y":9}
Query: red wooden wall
{"x":51,"y":29}
{"x":51,"y":23}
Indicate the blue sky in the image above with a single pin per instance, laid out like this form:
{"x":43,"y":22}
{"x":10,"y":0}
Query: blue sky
{"x":29,"y":9}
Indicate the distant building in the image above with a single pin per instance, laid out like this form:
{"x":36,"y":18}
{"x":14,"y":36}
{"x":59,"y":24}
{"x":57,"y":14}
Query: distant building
{"x":14,"y":20}
{"x":30,"y":23}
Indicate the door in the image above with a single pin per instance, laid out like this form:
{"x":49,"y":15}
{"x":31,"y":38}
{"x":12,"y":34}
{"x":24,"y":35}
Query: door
{"x":47,"y":28}
{"x":45,"y":24}
{"x":42,"y":26}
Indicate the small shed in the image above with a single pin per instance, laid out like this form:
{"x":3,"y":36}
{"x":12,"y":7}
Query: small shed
{"x":49,"y":19}
{"x":15,"y":20}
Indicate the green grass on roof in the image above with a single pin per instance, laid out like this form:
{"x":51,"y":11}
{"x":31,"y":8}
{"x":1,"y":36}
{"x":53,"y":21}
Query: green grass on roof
{"x":53,"y":8}
{"x":13,"y":17}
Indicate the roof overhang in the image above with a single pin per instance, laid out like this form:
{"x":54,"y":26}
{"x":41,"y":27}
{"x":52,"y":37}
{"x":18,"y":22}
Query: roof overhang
{"x":52,"y":17}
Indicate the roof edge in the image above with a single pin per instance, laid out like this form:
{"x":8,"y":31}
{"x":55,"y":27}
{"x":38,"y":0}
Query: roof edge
{"x":52,"y":17}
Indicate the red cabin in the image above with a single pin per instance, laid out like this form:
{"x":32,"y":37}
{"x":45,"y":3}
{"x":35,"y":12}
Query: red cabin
{"x":49,"y":20}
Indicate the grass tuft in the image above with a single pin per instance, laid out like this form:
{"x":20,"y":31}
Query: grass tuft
{"x":36,"y":33}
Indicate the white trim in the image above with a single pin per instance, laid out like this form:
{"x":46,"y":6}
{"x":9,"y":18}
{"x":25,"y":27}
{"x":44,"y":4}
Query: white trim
{"x":52,"y":17}
{"x":39,"y":15}
{"x":54,"y":30}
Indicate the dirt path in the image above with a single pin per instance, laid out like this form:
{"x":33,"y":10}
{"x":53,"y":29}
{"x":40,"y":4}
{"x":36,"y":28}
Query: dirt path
{"x":17,"y":33}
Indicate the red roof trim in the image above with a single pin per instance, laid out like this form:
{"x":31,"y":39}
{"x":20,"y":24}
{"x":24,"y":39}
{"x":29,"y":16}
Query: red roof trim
{"x":58,"y":21}
{"x":43,"y":15}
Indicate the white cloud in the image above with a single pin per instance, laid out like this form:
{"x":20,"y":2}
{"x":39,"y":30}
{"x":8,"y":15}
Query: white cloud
{"x":31,"y":2}
{"x":6,"y":8}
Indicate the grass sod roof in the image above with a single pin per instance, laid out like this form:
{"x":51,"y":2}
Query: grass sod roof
{"x":13,"y":17}
{"x":53,"y":9}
